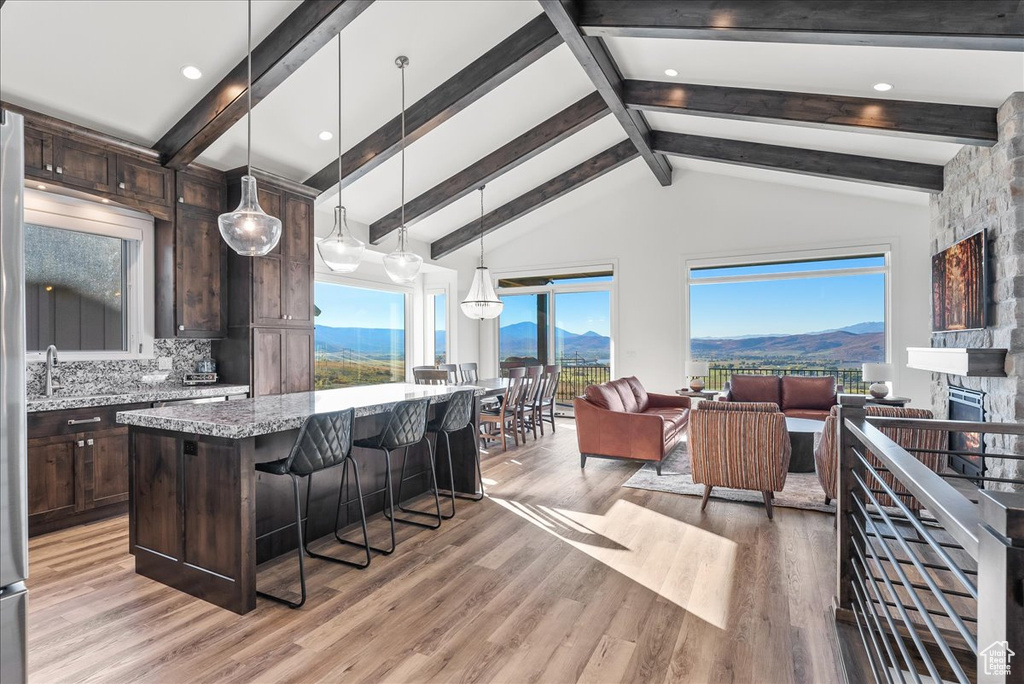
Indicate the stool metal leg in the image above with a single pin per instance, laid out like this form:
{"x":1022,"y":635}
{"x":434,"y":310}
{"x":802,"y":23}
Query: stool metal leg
{"x":433,"y":482}
{"x":302,"y":567}
{"x":389,"y":504}
{"x":337,"y":519}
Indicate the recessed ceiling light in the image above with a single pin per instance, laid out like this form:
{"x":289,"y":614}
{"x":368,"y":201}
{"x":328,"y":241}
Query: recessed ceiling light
{"x":325,"y":135}
{"x":190,"y":72}
{"x":671,"y":72}
{"x":41,"y":186}
{"x":882,"y":87}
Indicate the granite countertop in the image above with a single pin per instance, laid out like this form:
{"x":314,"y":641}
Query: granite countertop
{"x":132,"y":394}
{"x":265,"y":415}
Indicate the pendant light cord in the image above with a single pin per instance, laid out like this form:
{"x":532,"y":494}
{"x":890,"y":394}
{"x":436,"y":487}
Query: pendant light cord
{"x":341,"y":228}
{"x":402,"y":232}
{"x":248,"y":94}
{"x":482,"y":226}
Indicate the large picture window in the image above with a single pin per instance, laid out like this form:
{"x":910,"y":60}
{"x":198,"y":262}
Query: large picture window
{"x":360,"y":336}
{"x":809,"y":317}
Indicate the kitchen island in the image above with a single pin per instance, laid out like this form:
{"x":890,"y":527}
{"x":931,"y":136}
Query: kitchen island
{"x":201,"y":518}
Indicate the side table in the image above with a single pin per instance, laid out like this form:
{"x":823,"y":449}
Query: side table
{"x":888,"y":401}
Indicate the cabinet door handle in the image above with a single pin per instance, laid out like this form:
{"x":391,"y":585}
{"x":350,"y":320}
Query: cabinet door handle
{"x":89,"y":442}
{"x":60,"y":169}
{"x":83,"y":421}
{"x":181,"y":200}
{"x":121,"y":185}
{"x":80,"y":443}
{"x":181,"y":327}
{"x":49,"y":167}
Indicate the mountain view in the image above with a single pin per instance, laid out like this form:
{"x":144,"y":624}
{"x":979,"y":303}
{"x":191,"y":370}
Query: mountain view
{"x":847,"y":346}
{"x":519,"y":340}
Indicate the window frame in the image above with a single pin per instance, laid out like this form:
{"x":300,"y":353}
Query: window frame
{"x":328,"y":276}
{"x":551,"y":290}
{"x":66,"y":212}
{"x":430,"y":330}
{"x":844,"y":251}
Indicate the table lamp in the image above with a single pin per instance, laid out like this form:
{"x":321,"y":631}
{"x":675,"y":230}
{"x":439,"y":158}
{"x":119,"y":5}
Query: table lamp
{"x":697,"y":371}
{"x":877,"y":374}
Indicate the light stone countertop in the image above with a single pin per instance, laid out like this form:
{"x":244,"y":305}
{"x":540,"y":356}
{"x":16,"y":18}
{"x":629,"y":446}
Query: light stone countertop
{"x":265,"y":415}
{"x":132,"y":394}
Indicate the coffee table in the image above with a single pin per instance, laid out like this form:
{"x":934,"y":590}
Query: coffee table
{"x":801,"y":436}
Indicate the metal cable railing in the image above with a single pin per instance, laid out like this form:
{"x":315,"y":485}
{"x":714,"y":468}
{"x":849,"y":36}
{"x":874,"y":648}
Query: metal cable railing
{"x":930,"y":574}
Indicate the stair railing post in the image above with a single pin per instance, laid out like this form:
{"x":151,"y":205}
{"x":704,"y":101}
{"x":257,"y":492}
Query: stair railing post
{"x":1001,"y":588}
{"x":851,"y":407}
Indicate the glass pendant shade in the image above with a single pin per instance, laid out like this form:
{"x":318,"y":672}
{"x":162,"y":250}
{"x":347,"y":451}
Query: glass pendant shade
{"x":248,"y":229}
{"x":402,"y":265}
{"x":481,"y":302}
{"x":340,"y":250}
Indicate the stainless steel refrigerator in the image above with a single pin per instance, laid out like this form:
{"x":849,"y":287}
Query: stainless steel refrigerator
{"x":13,"y":429}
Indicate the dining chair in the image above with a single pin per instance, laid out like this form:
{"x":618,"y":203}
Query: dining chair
{"x":527,"y":399}
{"x":452,"y":370}
{"x":430,"y":376}
{"x":468,"y":372}
{"x":504,"y":415}
{"x":544,"y":407}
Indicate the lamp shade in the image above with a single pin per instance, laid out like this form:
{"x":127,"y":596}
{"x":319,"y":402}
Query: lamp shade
{"x":876,"y":372}
{"x":340,"y":250}
{"x":697,"y":369}
{"x":402,"y":266}
{"x":481,"y":302}
{"x":248,"y":229}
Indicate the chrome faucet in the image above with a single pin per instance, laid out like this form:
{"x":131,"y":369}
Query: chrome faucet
{"x":51,"y":363}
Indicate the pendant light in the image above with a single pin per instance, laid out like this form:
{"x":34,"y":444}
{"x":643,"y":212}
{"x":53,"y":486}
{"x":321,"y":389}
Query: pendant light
{"x":402,"y":265}
{"x":342,"y":252}
{"x":481,"y":302}
{"x":248,"y":229}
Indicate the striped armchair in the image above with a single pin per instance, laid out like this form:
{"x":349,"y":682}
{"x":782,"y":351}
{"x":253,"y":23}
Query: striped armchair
{"x":826,"y":456}
{"x":739,"y":445}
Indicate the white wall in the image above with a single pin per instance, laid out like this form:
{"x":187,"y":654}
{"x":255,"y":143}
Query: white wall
{"x":651,"y":231}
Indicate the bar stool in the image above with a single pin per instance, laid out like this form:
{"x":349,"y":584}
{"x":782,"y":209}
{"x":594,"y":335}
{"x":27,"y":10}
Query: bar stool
{"x":405,"y":427}
{"x":324,"y":441}
{"x":458,"y":415}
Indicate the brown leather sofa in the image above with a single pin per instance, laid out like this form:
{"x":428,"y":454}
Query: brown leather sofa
{"x":796,"y":395}
{"x":620,"y":419}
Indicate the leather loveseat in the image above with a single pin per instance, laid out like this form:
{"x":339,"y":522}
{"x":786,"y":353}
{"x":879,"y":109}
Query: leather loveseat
{"x":620,"y":419}
{"x":797,"y":396}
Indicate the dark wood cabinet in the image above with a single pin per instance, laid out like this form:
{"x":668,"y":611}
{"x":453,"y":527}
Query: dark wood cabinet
{"x":77,"y":467}
{"x":270,"y":302}
{"x":144,"y":181}
{"x":200,"y":274}
{"x":38,"y":154}
{"x":206,"y":191}
{"x":84,"y":165}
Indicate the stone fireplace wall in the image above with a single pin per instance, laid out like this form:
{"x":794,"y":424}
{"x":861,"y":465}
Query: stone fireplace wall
{"x":984,"y":189}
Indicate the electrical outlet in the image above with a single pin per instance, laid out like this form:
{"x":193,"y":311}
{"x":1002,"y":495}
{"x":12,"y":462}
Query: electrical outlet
{"x":163,"y":363}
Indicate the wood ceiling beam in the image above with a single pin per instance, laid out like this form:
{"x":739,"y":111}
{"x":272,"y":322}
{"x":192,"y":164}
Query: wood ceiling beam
{"x":851,"y":167}
{"x":595,"y":167}
{"x":310,"y":27}
{"x":930,"y":121}
{"x":943,"y":24}
{"x":593,"y":56}
{"x":524,"y":47}
{"x":541,"y":137}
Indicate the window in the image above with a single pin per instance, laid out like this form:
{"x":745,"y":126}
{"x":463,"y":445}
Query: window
{"x":360,"y":336}
{"x":439,"y":321}
{"x":811,"y":317}
{"x":84,"y":278}
{"x":563,"y":319}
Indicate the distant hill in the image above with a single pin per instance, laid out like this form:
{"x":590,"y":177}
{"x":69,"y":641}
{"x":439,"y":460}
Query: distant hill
{"x":857,"y":328}
{"x":369,"y":341}
{"x":520,"y":340}
{"x":837,"y":346}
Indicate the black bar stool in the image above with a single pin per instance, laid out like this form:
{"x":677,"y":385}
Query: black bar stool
{"x":458,"y":415}
{"x":406,"y":426}
{"x":324,"y":441}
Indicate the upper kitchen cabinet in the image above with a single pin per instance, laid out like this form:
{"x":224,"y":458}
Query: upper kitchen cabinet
{"x":145,"y":182}
{"x":84,"y":165}
{"x":38,"y":154}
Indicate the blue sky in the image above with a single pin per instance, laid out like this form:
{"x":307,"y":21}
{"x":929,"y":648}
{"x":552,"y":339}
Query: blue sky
{"x":342,"y":306}
{"x":794,"y":306}
{"x":576,"y":312}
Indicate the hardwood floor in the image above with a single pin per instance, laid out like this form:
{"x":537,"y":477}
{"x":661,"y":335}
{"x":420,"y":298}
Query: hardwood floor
{"x":561,"y":575}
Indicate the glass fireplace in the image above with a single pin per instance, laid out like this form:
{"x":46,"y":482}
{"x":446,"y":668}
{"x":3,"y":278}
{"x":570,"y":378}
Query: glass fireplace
{"x":968,"y":448}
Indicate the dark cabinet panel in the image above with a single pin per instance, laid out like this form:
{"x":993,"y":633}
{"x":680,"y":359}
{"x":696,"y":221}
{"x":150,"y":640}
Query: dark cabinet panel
{"x":297,"y":372}
{"x":297,"y":235}
{"x":297,"y":292}
{"x":201,"y":273}
{"x":84,"y":165}
{"x":51,"y":477}
{"x":108,"y":474}
{"x":144,"y":181}
{"x":155,"y":522}
{"x":267,"y":353}
{"x":202,"y":192}
{"x":38,"y":154}
{"x":270,"y":201}
{"x":210,"y":480}
{"x":267,"y":287}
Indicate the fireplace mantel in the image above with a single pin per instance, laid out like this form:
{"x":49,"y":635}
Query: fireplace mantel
{"x":969,"y":362}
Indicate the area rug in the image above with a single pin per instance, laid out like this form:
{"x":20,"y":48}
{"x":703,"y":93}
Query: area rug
{"x":802,"y":490}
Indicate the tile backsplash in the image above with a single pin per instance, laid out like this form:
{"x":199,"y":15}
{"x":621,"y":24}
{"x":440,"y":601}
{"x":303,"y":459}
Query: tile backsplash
{"x":98,"y":377}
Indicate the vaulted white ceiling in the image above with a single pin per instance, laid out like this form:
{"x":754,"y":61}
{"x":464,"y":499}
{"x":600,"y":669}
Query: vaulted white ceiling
{"x":115,"y":66}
